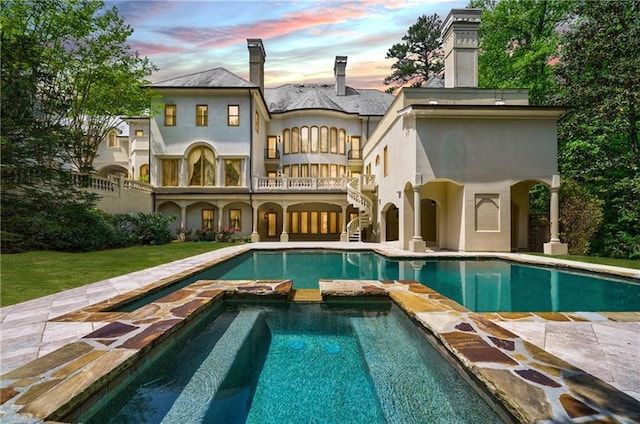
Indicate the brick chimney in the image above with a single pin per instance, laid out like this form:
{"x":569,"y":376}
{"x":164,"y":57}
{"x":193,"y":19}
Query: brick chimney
{"x":257,"y":57}
{"x":460,"y":39}
{"x":340,"y":74}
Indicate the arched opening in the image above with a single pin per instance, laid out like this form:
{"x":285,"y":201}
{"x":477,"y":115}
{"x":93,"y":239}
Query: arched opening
{"x":270,"y":220}
{"x":113,"y":172}
{"x":529,"y":215}
{"x":429,"y":221}
{"x":144,"y":173}
{"x":391,"y":215}
{"x":314,"y":221}
{"x":171,"y":209}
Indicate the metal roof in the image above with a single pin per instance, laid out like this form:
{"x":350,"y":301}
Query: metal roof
{"x":291,"y":97}
{"x":212,"y":78}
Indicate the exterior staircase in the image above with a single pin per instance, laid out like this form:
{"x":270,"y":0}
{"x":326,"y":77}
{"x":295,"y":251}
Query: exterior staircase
{"x":357,"y":198}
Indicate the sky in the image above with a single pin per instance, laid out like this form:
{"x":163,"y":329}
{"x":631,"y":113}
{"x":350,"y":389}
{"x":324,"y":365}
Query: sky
{"x":301,"y":37}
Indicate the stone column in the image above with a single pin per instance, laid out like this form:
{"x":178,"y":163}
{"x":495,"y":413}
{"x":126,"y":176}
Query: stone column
{"x":417,"y":244}
{"x":284,"y":237}
{"x":344,"y":237}
{"x":255,"y":236}
{"x":183,"y":217}
{"x":554,"y":247}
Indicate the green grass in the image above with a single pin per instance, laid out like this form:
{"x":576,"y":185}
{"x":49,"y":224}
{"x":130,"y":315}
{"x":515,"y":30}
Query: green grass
{"x":626,"y":263}
{"x":26,"y":276}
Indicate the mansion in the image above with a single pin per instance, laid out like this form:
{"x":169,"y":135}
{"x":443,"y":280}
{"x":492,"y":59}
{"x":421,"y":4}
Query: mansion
{"x":433,"y":168}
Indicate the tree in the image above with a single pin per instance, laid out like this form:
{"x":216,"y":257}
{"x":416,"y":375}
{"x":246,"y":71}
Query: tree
{"x":418,"y":57}
{"x":599,"y":75}
{"x":65,"y":68}
{"x":518,"y":42}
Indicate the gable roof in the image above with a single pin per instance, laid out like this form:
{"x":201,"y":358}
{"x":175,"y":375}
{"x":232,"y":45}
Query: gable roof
{"x":212,"y":78}
{"x":291,"y":97}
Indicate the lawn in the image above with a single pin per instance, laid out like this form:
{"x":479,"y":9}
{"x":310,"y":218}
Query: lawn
{"x":625,"y":263}
{"x":30,"y":275}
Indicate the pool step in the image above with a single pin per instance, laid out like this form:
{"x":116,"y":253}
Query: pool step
{"x":307,"y":295}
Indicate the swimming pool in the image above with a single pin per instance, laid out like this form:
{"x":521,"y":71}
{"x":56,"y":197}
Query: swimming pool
{"x":298,"y":363}
{"x":479,"y":285}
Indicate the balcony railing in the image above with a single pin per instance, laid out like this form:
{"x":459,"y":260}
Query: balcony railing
{"x":299,"y":183}
{"x":271,"y":154}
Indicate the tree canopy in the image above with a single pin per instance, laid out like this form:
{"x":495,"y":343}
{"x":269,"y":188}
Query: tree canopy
{"x":67,"y":71}
{"x":418,"y":57}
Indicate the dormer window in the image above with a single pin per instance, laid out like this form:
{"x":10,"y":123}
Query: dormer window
{"x":113,"y":140}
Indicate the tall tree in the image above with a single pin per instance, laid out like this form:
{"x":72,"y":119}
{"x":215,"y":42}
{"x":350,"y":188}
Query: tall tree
{"x":65,"y":67}
{"x":418,"y":57}
{"x":518,"y":41}
{"x":599,"y":76}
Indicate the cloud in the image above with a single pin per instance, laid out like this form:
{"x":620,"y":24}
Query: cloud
{"x":149,"y":49}
{"x":136,"y":11}
{"x":215,"y":37}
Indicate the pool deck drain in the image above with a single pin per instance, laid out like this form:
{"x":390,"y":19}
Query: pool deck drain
{"x":33,"y":329}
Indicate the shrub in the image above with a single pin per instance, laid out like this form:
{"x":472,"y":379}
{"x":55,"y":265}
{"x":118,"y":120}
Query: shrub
{"x":580,"y":217}
{"x":152,"y":228}
{"x":225,"y":234}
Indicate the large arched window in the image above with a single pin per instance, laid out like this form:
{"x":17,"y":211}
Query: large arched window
{"x":286,"y":141}
{"x":324,"y":140}
{"x":314,"y":139}
{"x":304,"y":140}
{"x":295,"y":140}
{"x":333,"y":140}
{"x":202,"y":167}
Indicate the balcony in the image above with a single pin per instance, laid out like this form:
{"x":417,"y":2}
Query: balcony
{"x":297,"y":184}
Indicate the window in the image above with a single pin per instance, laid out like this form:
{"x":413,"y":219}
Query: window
{"x":271,"y":224}
{"x":355,"y":152}
{"x":170,"y":115}
{"x":304,"y":170}
{"x":385,"y":161}
{"x":208,"y":218}
{"x":314,"y":222}
{"x":272,"y":147}
{"x":235,"y":219}
{"x":333,"y":222}
{"x":324,"y":222}
{"x":295,"y":225}
{"x":144,"y":173}
{"x":233,"y":115}
{"x":324,"y":170}
{"x":324,"y":140}
{"x":342,"y":138}
{"x":295,"y":140}
{"x":113,"y":140}
{"x":314,"y":139}
{"x":333,"y":171}
{"x":232,"y":172}
{"x":139,"y":133}
{"x":287,"y":141}
{"x":304,"y":140}
{"x":294,"y":171}
{"x":333,"y":141}
{"x":202,"y":115}
{"x":285,"y":170}
{"x":314,"y":169}
{"x":202,"y":167}
{"x":256,"y":121}
{"x":170,"y":169}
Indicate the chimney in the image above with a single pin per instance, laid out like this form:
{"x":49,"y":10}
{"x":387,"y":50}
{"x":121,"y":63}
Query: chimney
{"x":460,"y":39}
{"x":256,"y":61}
{"x":339,"y":72}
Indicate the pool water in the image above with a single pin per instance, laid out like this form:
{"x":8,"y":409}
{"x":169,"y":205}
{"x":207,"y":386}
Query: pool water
{"x":299,"y":363}
{"x":479,"y":285}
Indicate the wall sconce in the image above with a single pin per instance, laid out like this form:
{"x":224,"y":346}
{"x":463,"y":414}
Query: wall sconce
{"x":266,"y":216}
{"x":279,"y":140}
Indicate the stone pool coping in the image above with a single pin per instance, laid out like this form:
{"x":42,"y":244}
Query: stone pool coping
{"x":69,"y":313}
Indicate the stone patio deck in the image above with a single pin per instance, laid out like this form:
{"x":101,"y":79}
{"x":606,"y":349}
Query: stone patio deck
{"x":564,"y":367}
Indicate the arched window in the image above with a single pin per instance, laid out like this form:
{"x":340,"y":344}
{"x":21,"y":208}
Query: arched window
{"x":304,"y":140}
{"x":314,"y":139}
{"x":295,"y":140}
{"x":286,"y":141}
{"x":324,"y":140}
{"x":144,"y":173}
{"x":333,"y":141}
{"x":113,"y":139}
{"x":202,"y":167}
{"x":342,"y":138}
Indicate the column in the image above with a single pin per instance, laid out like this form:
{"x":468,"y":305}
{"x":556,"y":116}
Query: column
{"x":554,"y":247}
{"x":416,"y":244}
{"x":344,"y":237}
{"x":255,"y":237}
{"x":183,"y":217}
{"x":284,"y":237}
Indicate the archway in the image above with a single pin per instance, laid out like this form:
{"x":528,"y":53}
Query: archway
{"x":391,"y":222}
{"x":529,"y":215}
{"x":429,"y":221}
{"x":113,"y":171}
{"x":270,"y":220}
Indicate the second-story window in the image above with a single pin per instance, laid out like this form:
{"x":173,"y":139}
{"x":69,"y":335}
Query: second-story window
{"x":233,"y":115}
{"x":170,"y":169}
{"x":202,"y":115}
{"x":232,"y":172}
{"x":113,"y":140}
{"x":170,"y":113}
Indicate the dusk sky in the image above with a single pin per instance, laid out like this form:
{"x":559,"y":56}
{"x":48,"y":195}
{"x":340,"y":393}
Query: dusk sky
{"x":301,"y":38}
